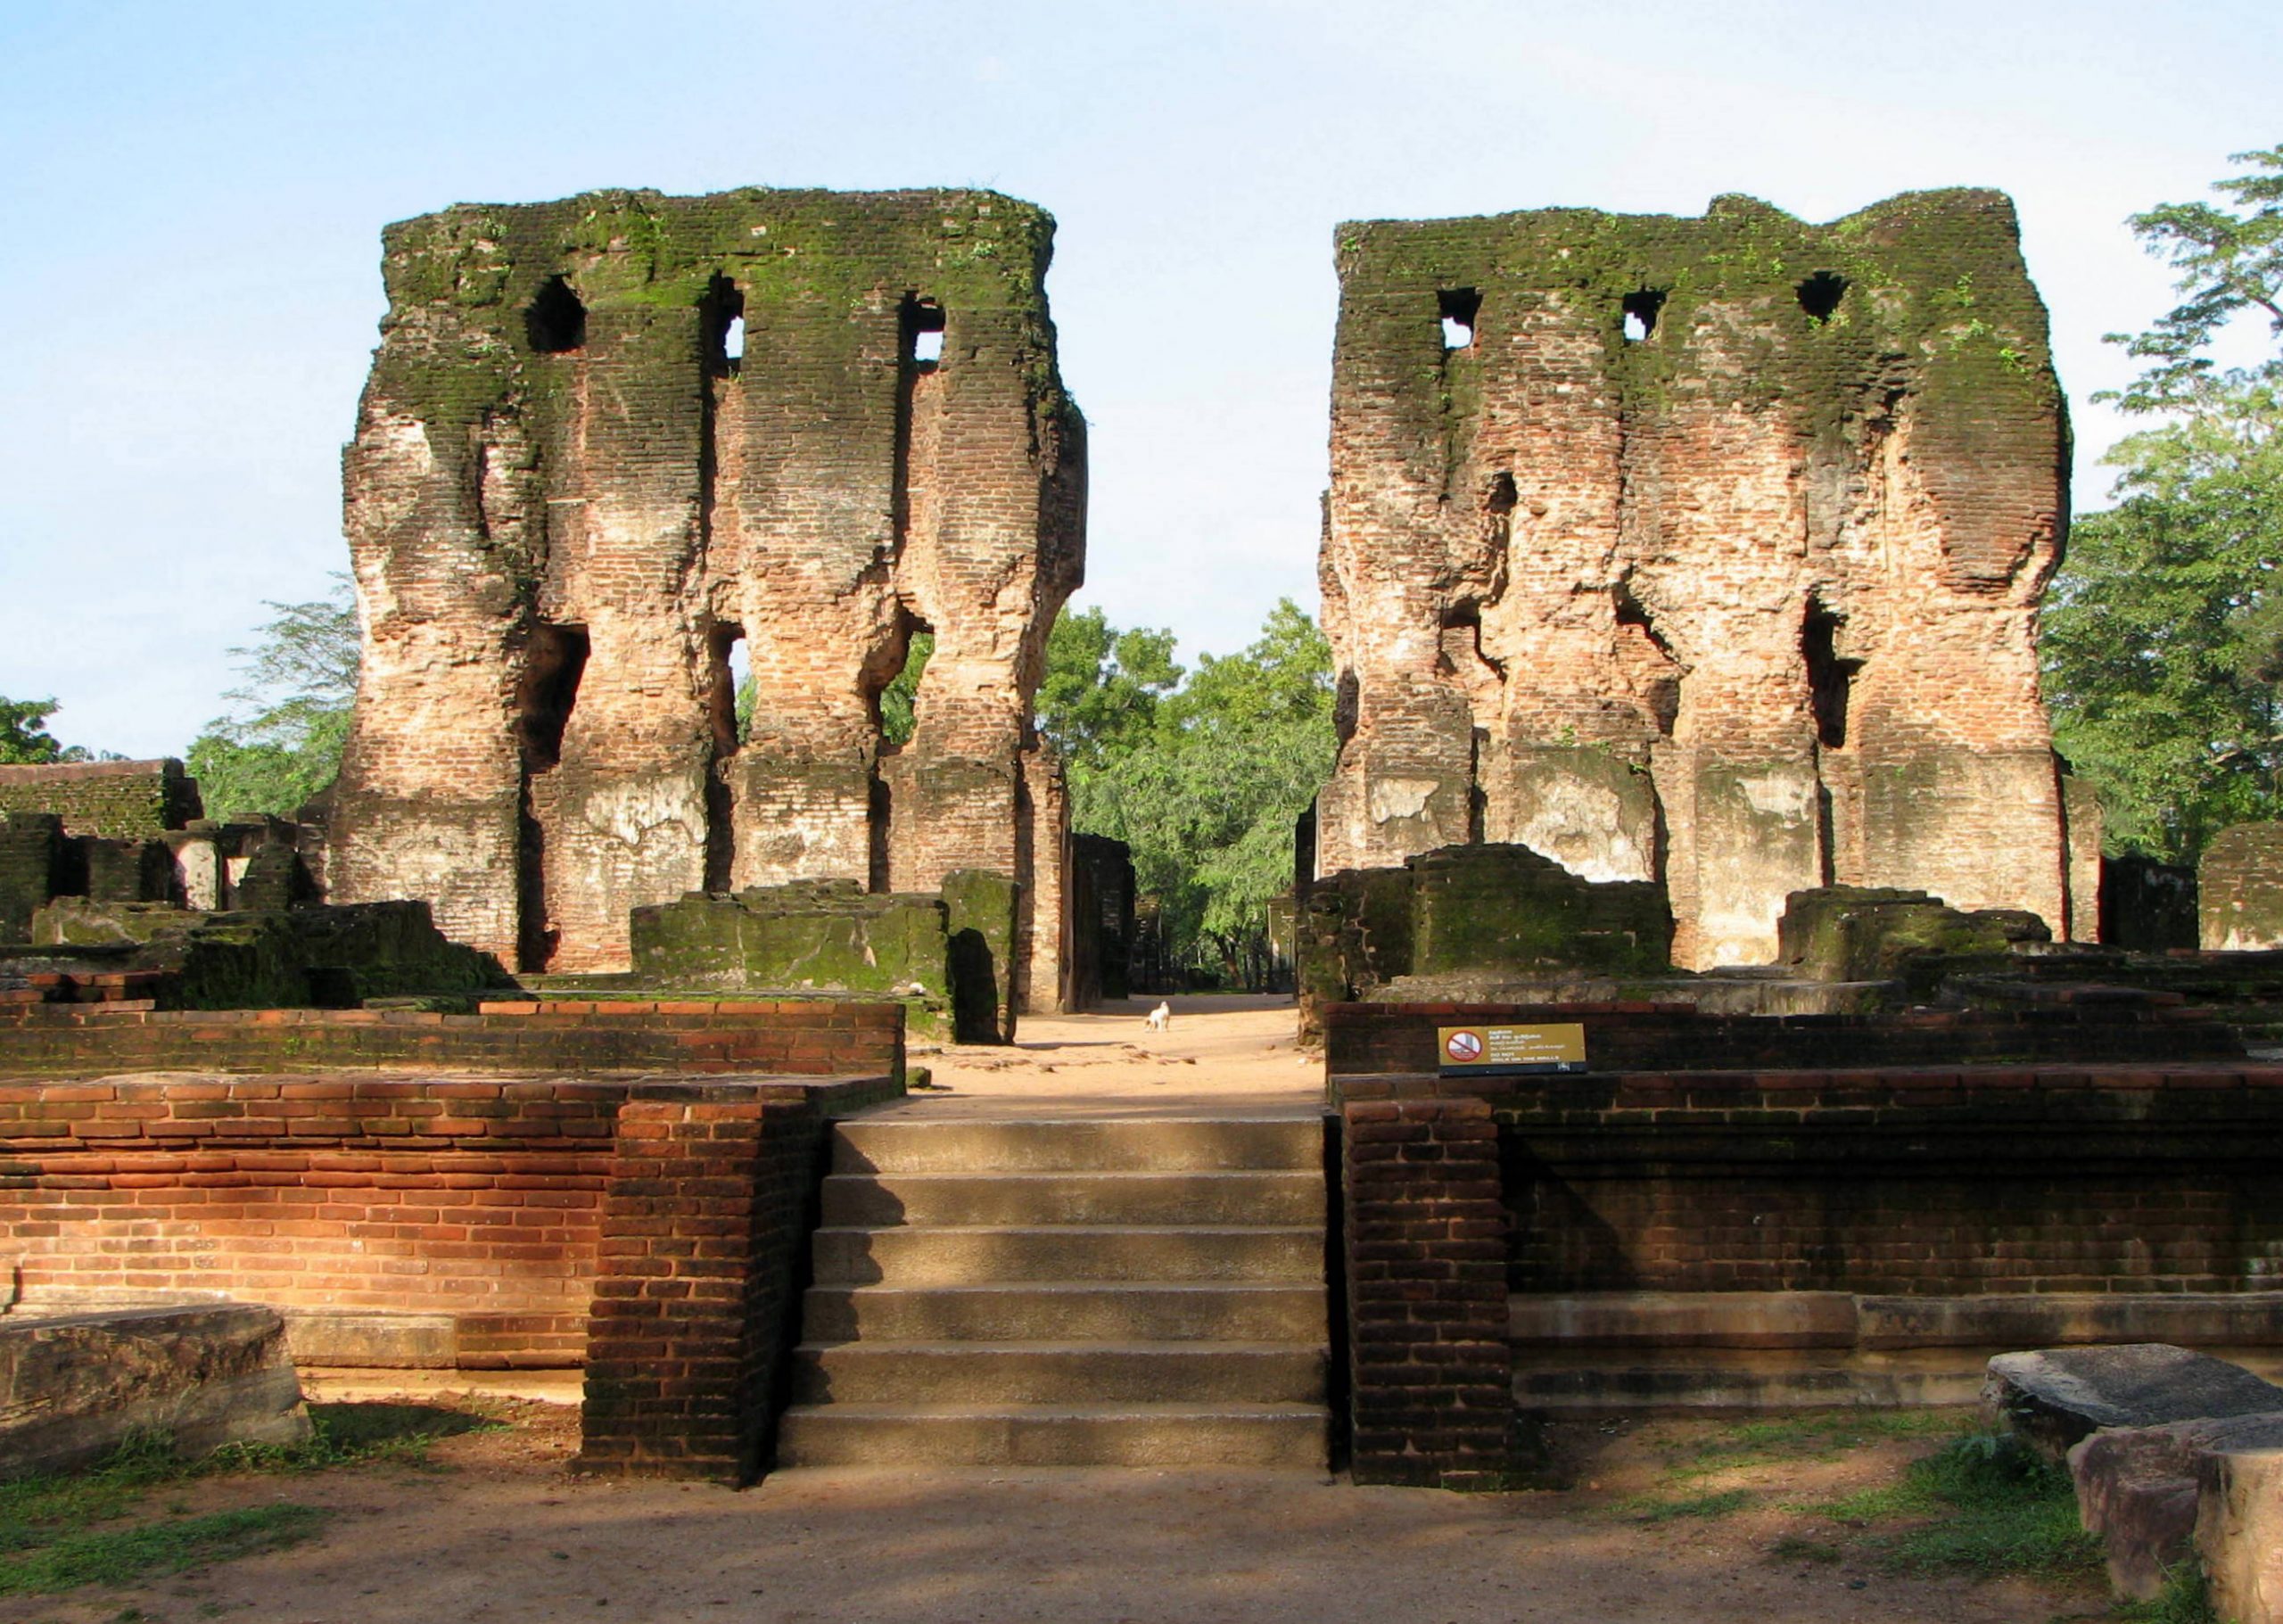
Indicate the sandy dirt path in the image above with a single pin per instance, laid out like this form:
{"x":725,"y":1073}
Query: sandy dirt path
{"x":502,"y":1534}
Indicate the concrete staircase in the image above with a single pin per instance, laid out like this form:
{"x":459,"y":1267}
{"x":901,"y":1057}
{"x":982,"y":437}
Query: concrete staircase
{"x":1129,"y":1293}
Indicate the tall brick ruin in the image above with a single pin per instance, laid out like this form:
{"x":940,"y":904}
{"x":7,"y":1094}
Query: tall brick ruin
{"x":604,"y":441}
{"x":1699,"y":551}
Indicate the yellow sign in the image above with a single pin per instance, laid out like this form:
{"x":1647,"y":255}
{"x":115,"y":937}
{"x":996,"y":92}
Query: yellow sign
{"x":1510,"y":1051}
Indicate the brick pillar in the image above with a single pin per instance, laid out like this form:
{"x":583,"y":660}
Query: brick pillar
{"x":703,"y":1218}
{"x":1431,"y":1382}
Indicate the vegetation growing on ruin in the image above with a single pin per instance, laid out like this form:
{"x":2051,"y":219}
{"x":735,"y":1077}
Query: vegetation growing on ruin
{"x":1932,"y":280}
{"x":280,"y":742}
{"x":2163,"y":632}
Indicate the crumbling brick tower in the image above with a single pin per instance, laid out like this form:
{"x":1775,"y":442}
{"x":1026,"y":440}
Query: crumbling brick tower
{"x":1706,"y":551}
{"x":607,"y":438}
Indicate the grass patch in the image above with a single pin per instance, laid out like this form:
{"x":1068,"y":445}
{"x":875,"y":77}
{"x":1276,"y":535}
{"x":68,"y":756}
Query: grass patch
{"x":52,"y":1532}
{"x":1984,"y":1504}
{"x":153,"y":1550}
{"x":1659,"y":1508}
{"x":2184,"y":1600}
{"x":1817,"y":1436}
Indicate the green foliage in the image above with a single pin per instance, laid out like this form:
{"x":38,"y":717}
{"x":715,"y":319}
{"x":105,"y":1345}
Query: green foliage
{"x":24,"y":739}
{"x":897,"y":718}
{"x":1099,"y":700}
{"x":1984,"y":1504}
{"x":1205,"y":781}
{"x":2164,"y":635}
{"x":2185,"y":1599}
{"x":280,"y":742}
{"x":1664,"y":1508}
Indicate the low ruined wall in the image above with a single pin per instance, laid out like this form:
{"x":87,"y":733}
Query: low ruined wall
{"x":1367,"y":1039}
{"x":118,"y":800}
{"x":475,"y":1205}
{"x":808,"y":1038}
{"x":2113,"y":1194}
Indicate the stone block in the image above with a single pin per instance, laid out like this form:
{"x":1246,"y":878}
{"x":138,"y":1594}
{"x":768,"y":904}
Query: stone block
{"x":2240,"y":1522}
{"x":2052,"y":1398}
{"x":1862,"y":933}
{"x":981,"y":916}
{"x":72,"y":1390}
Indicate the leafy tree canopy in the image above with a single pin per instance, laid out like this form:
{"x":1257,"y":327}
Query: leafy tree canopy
{"x":280,"y":742}
{"x":2162,"y":639}
{"x":1203,"y":781}
{"x":24,"y":737}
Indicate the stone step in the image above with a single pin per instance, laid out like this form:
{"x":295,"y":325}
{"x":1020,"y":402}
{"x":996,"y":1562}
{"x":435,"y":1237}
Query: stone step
{"x":1122,"y":1144}
{"x":1063,"y":1312}
{"x":1196,"y":1372}
{"x":933,"y":1199}
{"x":1292,"y":1436}
{"x":969,"y":1255}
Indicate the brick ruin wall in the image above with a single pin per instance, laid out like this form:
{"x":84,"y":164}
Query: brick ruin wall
{"x":568,"y":502}
{"x":2239,"y":889}
{"x":1705,"y":552}
{"x":113,"y":800}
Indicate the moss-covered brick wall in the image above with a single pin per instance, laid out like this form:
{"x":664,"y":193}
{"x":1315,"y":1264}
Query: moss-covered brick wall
{"x":608,"y":440}
{"x":1699,"y":551}
{"x":116,"y":800}
{"x":31,"y":852}
{"x":2239,"y":889}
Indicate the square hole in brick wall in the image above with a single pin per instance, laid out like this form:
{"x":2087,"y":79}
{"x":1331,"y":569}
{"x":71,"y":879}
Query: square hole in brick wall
{"x":1458,"y":306}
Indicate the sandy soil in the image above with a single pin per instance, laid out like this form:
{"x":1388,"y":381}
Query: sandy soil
{"x":497,"y":1530}
{"x":1222,"y":1052}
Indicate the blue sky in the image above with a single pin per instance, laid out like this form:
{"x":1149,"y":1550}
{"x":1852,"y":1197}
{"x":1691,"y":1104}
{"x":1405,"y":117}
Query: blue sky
{"x":189,"y":282}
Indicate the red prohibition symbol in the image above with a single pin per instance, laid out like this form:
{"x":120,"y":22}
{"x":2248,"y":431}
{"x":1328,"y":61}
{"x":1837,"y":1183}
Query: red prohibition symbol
{"x":1464,"y":1046}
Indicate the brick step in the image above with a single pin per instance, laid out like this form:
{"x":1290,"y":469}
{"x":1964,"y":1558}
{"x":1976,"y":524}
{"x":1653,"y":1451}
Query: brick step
{"x":1293,"y":1437}
{"x":986,"y":1373}
{"x":1078,"y":1311}
{"x":935,"y":1199}
{"x":1121,"y":1144}
{"x":962,"y":1254}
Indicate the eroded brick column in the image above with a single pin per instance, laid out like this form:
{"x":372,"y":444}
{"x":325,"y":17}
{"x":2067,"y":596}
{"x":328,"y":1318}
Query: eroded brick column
{"x":1430,"y":1390}
{"x":703,"y":1220}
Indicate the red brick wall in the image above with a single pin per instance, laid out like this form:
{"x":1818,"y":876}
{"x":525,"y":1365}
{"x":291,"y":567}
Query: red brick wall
{"x":707,"y":1212}
{"x":806,"y":1037}
{"x":1429,"y":1376}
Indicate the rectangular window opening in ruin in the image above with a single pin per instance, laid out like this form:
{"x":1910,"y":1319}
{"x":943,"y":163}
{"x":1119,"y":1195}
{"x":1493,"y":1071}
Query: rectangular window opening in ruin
{"x":1458,"y":306}
{"x":1831,"y":679}
{"x":923,"y":333}
{"x":554,"y":659}
{"x":1641,"y":308}
{"x":723,"y":312}
{"x":554,"y":322}
{"x":729,"y":697}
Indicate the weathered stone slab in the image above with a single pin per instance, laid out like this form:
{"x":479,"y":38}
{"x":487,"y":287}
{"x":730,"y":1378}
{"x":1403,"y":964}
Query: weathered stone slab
{"x":2239,"y":1520}
{"x":72,"y":1389}
{"x":2209,"y":1489}
{"x":2054,"y":1396}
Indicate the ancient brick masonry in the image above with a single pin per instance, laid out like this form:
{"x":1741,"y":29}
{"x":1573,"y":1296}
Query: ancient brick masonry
{"x":605,"y":440}
{"x":1699,"y":551}
{"x":1429,"y":1373}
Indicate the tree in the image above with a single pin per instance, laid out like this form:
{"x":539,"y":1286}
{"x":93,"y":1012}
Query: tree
{"x":24,"y":739}
{"x":2163,"y":633}
{"x":280,"y":742}
{"x":1099,"y":696}
{"x":1207,"y":792}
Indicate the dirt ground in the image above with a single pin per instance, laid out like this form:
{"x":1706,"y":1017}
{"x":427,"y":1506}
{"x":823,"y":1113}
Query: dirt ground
{"x":1221,"y":1051}
{"x":495,"y":1528}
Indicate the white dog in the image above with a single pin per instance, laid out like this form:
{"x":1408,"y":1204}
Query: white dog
{"x":1161,"y":1018}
